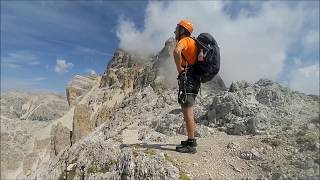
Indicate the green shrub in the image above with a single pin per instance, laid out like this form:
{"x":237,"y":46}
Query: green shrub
{"x":183,"y":176}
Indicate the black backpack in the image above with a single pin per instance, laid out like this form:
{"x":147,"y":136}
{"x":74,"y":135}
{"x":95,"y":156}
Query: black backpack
{"x":210,"y":67}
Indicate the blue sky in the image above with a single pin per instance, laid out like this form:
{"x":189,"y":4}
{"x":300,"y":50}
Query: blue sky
{"x":45,"y":43}
{"x":34,"y":35}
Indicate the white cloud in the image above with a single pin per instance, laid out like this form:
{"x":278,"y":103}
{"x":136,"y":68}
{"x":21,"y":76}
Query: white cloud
{"x":87,"y":50}
{"x":39,"y":79}
{"x":297,"y":61}
{"x":252,"y":46}
{"x":90,"y":71}
{"x":82,"y":49}
{"x":15,"y":83}
{"x":305,"y":79}
{"x":19,"y":59}
{"x":62,"y":66}
{"x":21,"y":83}
{"x":311,"y":40}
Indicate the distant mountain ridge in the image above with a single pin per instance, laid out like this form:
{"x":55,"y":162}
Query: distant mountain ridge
{"x":41,"y":106}
{"x":22,"y":114}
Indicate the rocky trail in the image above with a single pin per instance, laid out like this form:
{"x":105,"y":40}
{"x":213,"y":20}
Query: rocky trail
{"x":215,"y":158}
{"x":221,"y":156}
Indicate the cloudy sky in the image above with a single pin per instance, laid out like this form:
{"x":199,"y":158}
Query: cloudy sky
{"x":45,"y":43}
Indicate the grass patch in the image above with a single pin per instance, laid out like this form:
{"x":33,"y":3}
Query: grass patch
{"x":150,"y":151}
{"x":183,"y":176}
{"x":272,"y":141}
{"x":92,"y":169}
{"x":168,"y":158}
{"x":74,"y":161}
{"x":308,"y":141}
{"x":68,"y":175}
{"x":71,"y":174}
{"x":119,"y":139}
{"x":135,"y":149}
{"x":62,"y":176}
{"x":108,"y":166}
{"x":308,"y":138}
{"x":135,"y":153}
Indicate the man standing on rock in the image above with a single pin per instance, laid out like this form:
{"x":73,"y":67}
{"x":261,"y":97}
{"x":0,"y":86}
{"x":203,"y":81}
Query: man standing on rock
{"x":185,"y":56}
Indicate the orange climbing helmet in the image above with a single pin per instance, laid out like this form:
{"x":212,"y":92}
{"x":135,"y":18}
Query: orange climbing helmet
{"x":187,"y":25}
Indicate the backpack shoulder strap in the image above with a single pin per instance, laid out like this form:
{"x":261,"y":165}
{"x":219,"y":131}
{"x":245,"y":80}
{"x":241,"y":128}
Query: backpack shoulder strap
{"x":184,"y":58}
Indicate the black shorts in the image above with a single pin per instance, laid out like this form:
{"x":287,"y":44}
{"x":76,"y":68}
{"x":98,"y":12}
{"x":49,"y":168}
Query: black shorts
{"x":186,"y":100}
{"x":189,"y":85}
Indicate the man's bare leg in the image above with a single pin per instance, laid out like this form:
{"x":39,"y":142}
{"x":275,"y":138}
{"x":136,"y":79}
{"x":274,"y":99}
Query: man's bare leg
{"x":189,"y":119}
{"x":189,"y":145}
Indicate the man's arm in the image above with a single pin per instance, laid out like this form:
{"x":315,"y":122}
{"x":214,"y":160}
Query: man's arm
{"x":178,"y":57}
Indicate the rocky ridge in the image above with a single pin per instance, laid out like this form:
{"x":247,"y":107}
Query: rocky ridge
{"x":139,"y":138}
{"x":125,"y":125}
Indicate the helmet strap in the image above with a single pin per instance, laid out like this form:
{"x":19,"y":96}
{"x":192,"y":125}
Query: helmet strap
{"x":181,"y":32}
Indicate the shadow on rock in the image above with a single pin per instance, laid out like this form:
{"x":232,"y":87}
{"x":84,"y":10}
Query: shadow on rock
{"x":175,"y":111}
{"x":151,"y":146}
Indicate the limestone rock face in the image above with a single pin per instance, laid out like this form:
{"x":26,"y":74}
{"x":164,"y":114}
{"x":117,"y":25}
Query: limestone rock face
{"x":139,"y":166}
{"x":125,"y":71}
{"x":213,"y":87}
{"x":80,"y":85}
{"x":263,"y":106}
{"x":40,"y":144}
{"x":22,"y":114}
{"x":60,"y":138}
{"x":103,"y":115}
{"x":16,"y":144}
{"x":82,"y":125}
{"x":28,"y":161}
{"x":164,"y":68}
{"x":48,"y":142}
{"x":33,"y":159}
{"x":165,"y":56}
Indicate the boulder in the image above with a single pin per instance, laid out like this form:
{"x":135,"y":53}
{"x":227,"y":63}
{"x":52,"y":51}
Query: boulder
{"x":80,"y":85}
{"x":82,"y":125}
{"x":60,"y":138}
